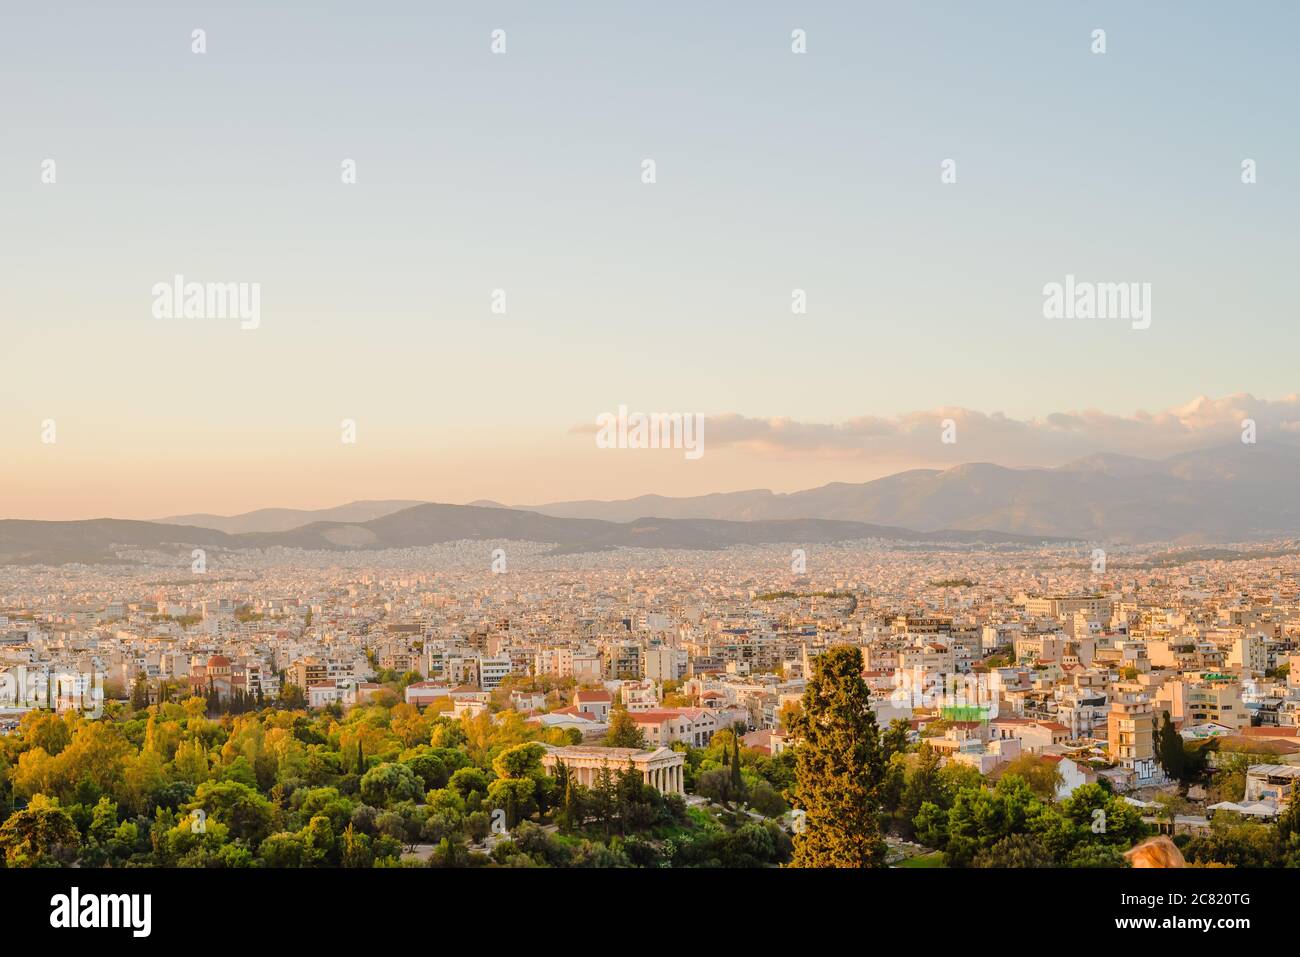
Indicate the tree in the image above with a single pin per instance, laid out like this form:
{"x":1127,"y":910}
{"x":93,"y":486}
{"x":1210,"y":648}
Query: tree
{"x":981,"y":817}
{"x":737,"y":782}
{"x":624,"y":732}
{"x":1288,"y":834}
{"x":1042,"y":776}
{"x":283,"y":850}
{"x":572,"y":812}
{"x":292,"y":697}
{"x":521,"y":761}
{"x":40,"y":834}
{"x":1099,"y":817}
{"x":1015,"y":850}
{"x":356,"y":848}
{"x":515,"y":796}
{"x":1169,"y":749}
{"x":465,"y":781}
{"x":1230,"y":778}
{"x":716,"y":785}
{"x":786,"y":714}
{"x":921,"y":782}
{"x":389,"y":783}
{"x":838,"y":767}
{"x":140,"y":693}
{"x":894,"y":740}
{"x":249,"y":816}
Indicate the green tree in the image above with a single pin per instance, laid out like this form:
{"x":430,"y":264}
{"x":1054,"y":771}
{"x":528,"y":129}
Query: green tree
{"x":737,"y":782}
{"x":520,"y":761}
{"x":249,"y":816}
{"x":466,"y":781}
{"x":981,"y":817}
{"x":921,"y":782}
{"x":40,"y":835}
{"x":1042,"y":776}
{"x":140,"y":693}
{"x":355,"y":848}
{"x":389,"y":783}
{"x":624,"y":732}
{"x":516,"y":796}
{"x":1230,"y":777}
{"x":838,"y":767}
{"x":1169,"y":749}
{"x":283,"y":850}
{"x":1015,"y":850}
{"x":894,"y":739}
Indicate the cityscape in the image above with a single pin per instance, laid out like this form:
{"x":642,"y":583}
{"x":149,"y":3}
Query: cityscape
{"x":772,"y":454}
{"x":484,"y":703}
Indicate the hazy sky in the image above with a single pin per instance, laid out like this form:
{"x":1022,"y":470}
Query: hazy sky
{"x":522,"y":172}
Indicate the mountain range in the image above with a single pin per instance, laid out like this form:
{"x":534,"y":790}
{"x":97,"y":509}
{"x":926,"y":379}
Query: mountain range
{"x":24,"y":542}
{"x":1231,"y":493}
{"x":285,"y":519}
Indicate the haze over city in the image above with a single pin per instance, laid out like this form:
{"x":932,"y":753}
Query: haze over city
{"x":87,"y":475}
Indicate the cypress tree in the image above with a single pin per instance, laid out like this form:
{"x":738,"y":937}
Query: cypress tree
{"x":838,"y":767}
{"x":1169,"y":749}
{"x":572,"y":814}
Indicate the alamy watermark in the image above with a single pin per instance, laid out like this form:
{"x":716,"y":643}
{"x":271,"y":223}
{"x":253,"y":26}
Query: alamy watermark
{"x":179,"y":299}
{"x":1075,"y":299}
{"x":915,"y":688}
{"x":653,"y":430}
{"x":56,"y":690}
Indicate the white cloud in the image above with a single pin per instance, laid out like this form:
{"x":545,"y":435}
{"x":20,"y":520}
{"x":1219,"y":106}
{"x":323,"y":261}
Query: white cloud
{"x":993,"y":437}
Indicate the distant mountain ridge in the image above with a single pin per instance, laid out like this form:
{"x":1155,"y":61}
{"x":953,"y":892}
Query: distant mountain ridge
{"x":1230,"y":493}
{"x":95,"y":540}
{"x":285,"y":519}
{"x":1233,"y":493}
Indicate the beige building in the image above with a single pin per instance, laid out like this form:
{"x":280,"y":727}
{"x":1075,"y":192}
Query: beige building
{"x":1215,"y":699}
{"x":1249,"y":655}
{"x":661,"y":768}
{"x":1130,"y":736}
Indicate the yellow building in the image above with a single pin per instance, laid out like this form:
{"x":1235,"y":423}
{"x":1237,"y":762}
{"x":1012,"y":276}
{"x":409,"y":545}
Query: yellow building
{"x":1212,"y":698}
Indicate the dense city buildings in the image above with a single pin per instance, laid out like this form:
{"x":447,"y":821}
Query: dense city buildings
{"x":986,"y":653}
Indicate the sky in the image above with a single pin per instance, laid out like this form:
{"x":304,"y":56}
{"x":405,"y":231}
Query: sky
{"x":523,"y":171}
